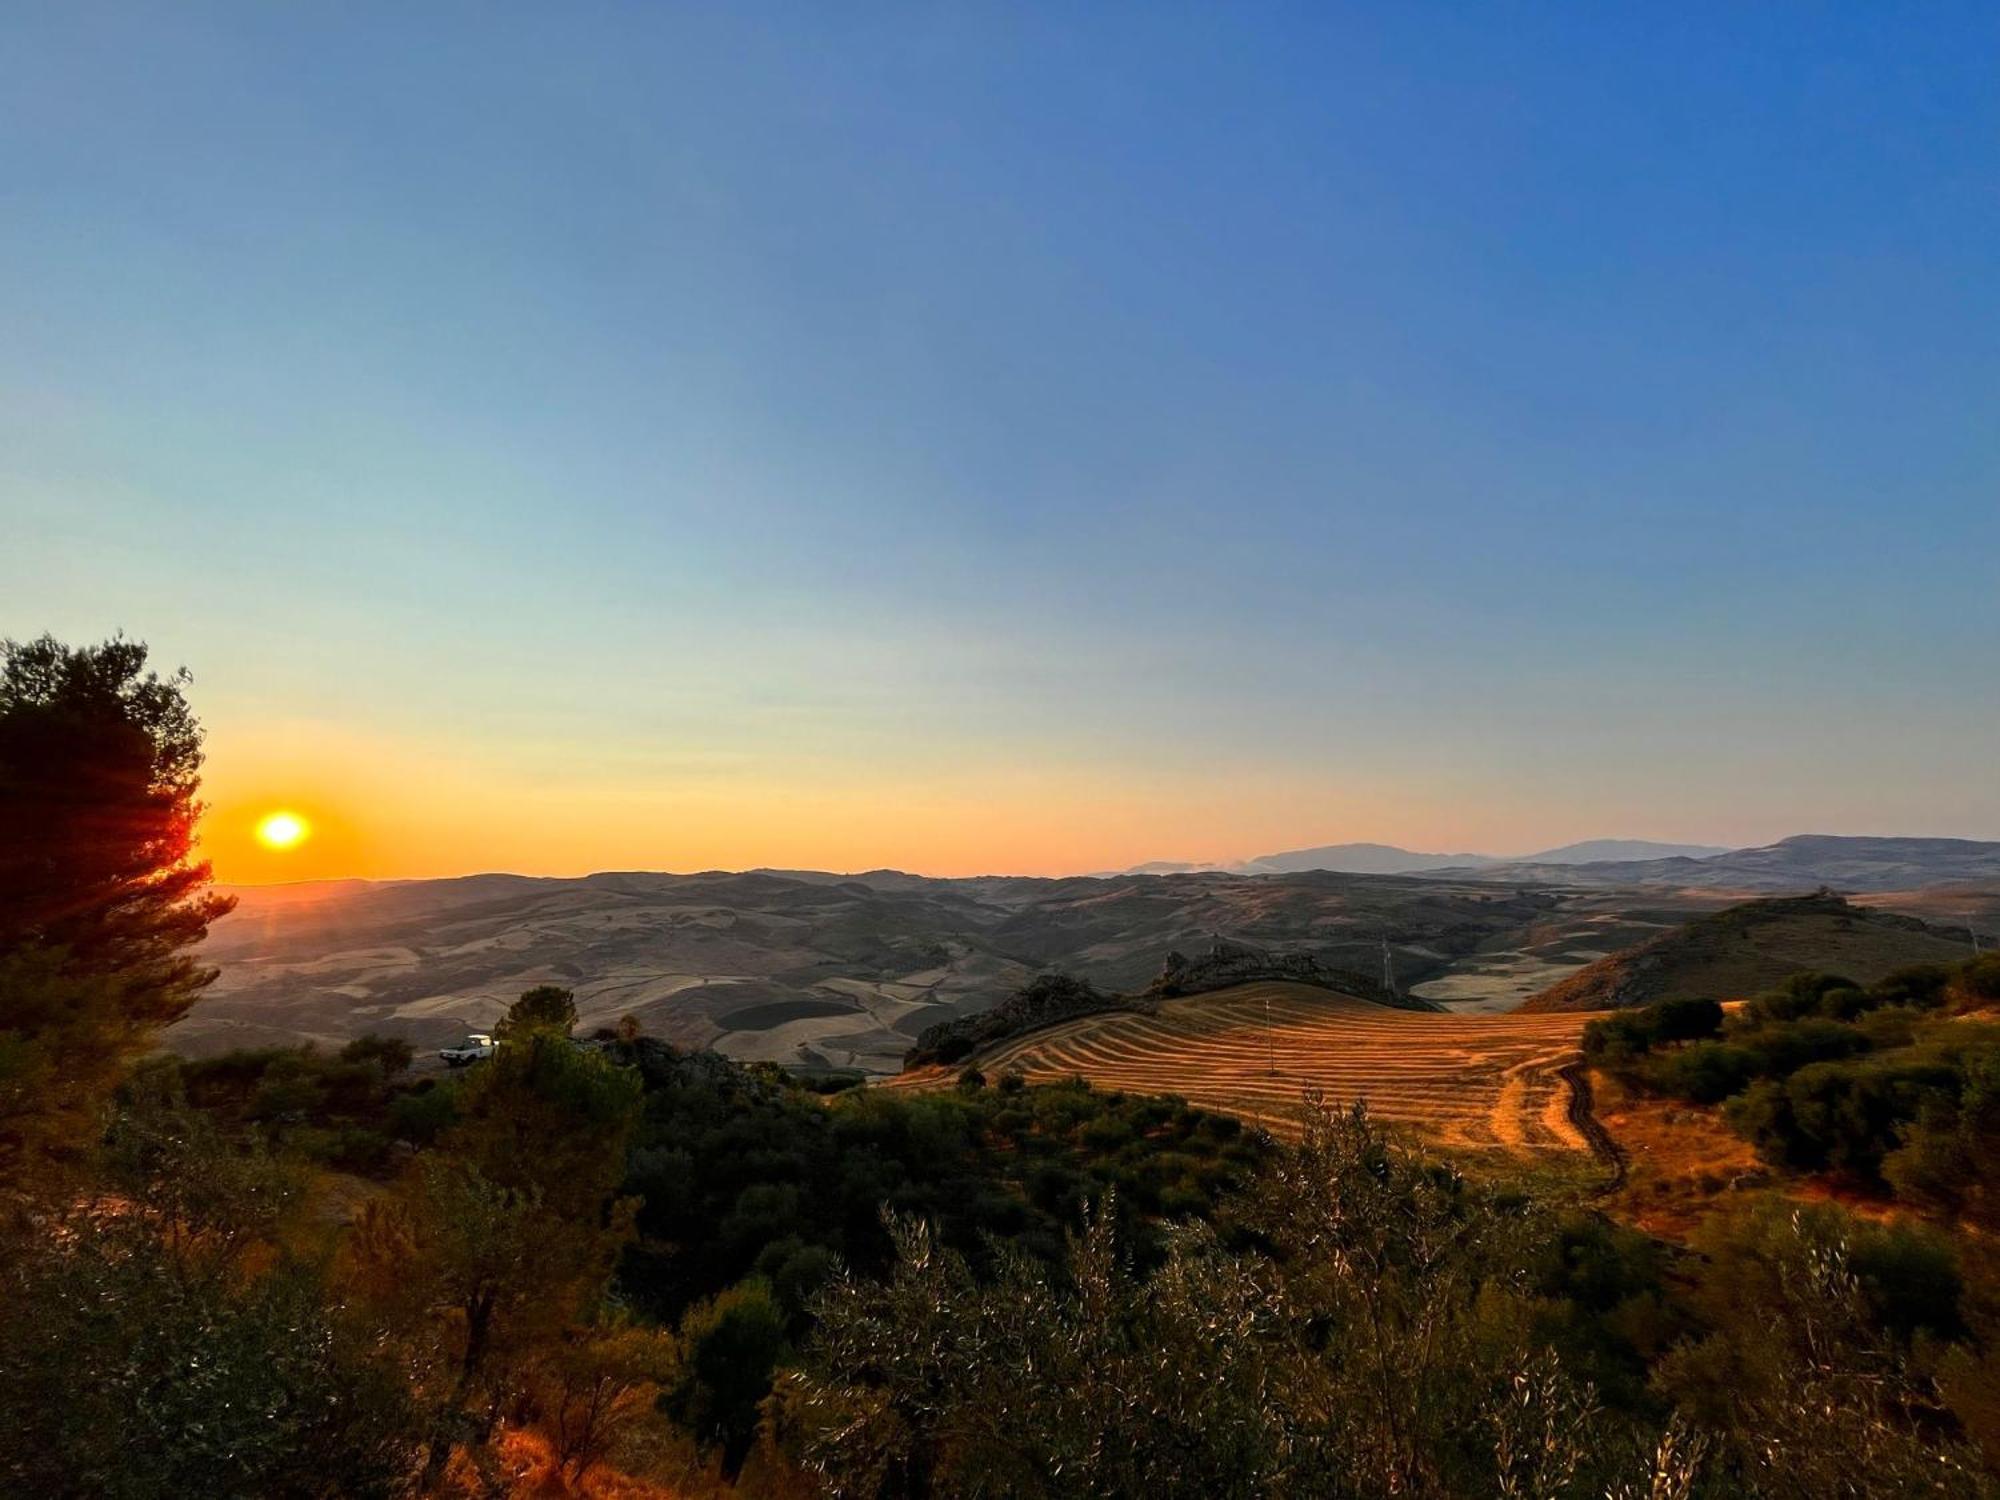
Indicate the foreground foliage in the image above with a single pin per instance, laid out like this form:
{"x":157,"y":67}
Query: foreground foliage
{"x":1895,"y":1086}
{"x":1397,"y":1334}
{"x":100,"y":894}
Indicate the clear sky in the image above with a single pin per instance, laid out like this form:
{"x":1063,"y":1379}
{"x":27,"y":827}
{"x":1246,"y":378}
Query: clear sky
{"x":1010,"y":438}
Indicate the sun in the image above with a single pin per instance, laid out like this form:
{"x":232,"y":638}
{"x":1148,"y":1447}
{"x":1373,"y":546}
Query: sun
{"x":283,"y":830}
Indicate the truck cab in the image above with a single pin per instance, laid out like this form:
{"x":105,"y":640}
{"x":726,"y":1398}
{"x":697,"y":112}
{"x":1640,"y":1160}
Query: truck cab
{"x":476,"y":1047}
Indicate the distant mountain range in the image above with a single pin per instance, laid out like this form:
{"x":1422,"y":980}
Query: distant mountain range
{"x":1387,"y":859}
{"x":1799,"y":863}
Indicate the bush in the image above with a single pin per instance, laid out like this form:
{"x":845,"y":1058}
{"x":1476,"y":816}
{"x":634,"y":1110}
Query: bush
{"x":423,"y":1114}
{"x":1705,"y":1073}
{"x":1920,"y":985}
{"x":391,"y":1054}
{"x":1977,"y":983}
{"x":1686,"y":1020}
{"x":1949,"y":1162}
{"x":1787,"y":1048}
{"x":1798,"y":996}
{"x":1839,"y":1116}
{"x":732,"y":1344}
{"x":124,"y":1375}
{"x":1845,"y":1004}
{"x":1620,"y":1037}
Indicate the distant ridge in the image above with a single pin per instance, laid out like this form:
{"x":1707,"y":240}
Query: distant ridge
{"x":1804,"y":862}
{"x":1388,"y":859}
{"x":1591,"y":851}
{"x":1361,"y":859}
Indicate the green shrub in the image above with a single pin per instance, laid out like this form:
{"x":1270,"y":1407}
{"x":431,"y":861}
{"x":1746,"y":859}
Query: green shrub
{"x":732,"y":1344}
{"x":1706,"y":1072}
{"x":1977,"y":983}
{"x":1798,"y":996}
{"x":1839,"y":1116}
{"x":1784,"y":1049}
{"x":1619,"y":1037}
{"x":421,"y":1115}
{"x":1686,"y":1020}
{"x":1920,"y":985}
{"x":391,"y":1054}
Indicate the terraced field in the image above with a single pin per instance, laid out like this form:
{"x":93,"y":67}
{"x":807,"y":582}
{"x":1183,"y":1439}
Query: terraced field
{"x":1460,"y":1080}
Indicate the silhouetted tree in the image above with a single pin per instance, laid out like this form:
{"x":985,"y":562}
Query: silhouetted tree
{"x":99,"y":766}
{"x":100,"y":895}
{"x":546,"y":1007}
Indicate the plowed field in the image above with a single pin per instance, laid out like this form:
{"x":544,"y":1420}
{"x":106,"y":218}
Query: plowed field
{"x":1460,"y":1080}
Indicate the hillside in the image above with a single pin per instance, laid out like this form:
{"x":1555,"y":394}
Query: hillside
{"x":1751,"y":947}
{"x":832,"y":971}
{"x":1465,"y":1081}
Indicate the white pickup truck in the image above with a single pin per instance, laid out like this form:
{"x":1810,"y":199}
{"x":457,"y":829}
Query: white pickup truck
{"x":474,"y":1048}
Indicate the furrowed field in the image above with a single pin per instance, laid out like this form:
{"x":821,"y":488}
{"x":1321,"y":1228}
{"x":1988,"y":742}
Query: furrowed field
{"x":1459,"y":1080}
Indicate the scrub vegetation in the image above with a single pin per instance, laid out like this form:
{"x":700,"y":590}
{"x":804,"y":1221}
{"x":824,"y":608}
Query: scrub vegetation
{"x":608,"y":1266}
{"x":1891,"y":1088}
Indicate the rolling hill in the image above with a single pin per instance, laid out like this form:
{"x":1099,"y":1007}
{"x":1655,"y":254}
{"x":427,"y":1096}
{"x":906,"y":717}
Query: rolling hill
{"x":1252,"y":1051}
{"x":830,"y":971}
{"x":820,"y":970}
{"x":1750,"y":947}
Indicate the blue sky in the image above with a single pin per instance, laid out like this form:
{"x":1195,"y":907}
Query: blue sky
{"x":1019,"y":438}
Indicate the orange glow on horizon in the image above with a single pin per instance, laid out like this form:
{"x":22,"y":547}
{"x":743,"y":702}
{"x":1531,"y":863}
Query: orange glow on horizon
{"x":379,"y":806}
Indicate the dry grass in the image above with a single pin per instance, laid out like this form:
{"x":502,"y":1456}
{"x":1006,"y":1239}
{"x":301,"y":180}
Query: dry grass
{"x":1462,"y":1081}
{"x":1683,"y":1163}
{"x":659,"y":1463}
{"x":521,"y":1465}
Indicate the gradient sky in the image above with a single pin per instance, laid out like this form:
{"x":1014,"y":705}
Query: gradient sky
{"x":970,"y":438}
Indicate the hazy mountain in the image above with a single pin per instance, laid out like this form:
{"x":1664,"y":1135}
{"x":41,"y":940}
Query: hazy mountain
{"x":1363,"y":859}
{"x":1182,"y":867}
{"x":1591,"y":851}
{"x":1387,"y":859}
{"x":1801,"y":863}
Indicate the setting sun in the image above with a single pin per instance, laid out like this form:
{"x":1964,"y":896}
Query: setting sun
{"x":283,"y":830}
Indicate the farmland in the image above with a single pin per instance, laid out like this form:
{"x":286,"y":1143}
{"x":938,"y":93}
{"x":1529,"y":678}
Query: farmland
{"x":1459,"y":1080}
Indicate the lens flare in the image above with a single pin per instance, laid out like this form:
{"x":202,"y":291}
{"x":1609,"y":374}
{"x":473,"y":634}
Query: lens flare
{"x":283,"y":830}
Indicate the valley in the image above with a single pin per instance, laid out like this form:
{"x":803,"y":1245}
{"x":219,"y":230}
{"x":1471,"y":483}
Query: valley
{"x":844,"y":972}
{"x":826,"y":972}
